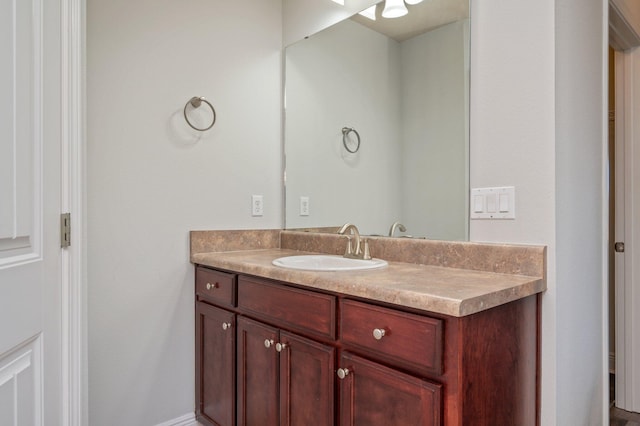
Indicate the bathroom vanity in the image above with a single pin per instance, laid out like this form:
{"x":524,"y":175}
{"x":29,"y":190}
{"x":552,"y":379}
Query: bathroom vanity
{"x":408,"y":344}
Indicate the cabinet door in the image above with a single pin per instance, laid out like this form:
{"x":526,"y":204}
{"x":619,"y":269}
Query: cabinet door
{"x":306,"y":381}
{"x":257,"y":371}
{"x":374,"y":395}
{"x":215,"y":365}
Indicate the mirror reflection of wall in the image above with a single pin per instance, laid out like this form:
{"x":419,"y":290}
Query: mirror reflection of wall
{"x":409,"y":102}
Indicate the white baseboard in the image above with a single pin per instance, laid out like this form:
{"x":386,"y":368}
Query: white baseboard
{"x":186,"y":420}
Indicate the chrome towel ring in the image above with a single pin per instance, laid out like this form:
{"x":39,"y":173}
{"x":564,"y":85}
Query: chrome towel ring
{"x":345,"y":137}
{"x":195,"y":102}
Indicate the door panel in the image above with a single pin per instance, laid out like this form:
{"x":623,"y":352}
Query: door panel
{"x":375,"y":395}
{"x":306,"y":382}
{"x":30,"y":200}
{"x":216,"y":391}
{"x":19,"y":380}
{"x":257,"y":374}
{"x":20,"y":132}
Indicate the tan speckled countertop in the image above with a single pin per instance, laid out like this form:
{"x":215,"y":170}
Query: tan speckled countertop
{"x":454,"y":291}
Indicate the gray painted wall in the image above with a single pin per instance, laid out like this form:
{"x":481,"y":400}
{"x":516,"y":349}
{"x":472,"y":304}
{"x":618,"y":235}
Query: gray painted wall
{"x":151,"y":179}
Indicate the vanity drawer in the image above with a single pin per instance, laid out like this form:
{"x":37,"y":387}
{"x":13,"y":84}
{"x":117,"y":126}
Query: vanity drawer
{"x":216,"y":287}
{"x":303,"y":311}
{"x":409,"y":340}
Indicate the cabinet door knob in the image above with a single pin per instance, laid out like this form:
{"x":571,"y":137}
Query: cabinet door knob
{"x":268,"y":343}
{"x":226,"y":325}
{"x":342,"y":373}
{"x":378,"y":333}
{"x":280,"y":346}
{"x":212,"y":286}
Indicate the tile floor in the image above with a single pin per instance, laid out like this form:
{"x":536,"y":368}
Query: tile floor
{"x":618,"y":417}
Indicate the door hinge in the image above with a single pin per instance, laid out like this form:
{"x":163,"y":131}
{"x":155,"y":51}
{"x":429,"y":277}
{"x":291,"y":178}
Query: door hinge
{"x":65,"y":230}
{"x":619,"y":247}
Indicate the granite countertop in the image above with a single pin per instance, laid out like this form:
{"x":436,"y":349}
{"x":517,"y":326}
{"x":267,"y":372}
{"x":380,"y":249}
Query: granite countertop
{"x":446,"y":290}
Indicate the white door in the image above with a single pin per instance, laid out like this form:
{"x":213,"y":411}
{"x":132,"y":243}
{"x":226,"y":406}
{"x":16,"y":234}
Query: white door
{"x":628,"y":230}
{"x":30,"y":205}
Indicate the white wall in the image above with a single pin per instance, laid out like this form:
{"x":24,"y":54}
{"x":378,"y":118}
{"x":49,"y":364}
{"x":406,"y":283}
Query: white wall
{"x":537,"y":117}
{"x":581,"y":209}
{"x":151,"y":180}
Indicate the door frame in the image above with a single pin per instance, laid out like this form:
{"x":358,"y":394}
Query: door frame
{"x":73,"y":260}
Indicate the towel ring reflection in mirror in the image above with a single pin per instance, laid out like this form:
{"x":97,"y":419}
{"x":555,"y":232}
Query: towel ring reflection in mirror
{"x":196,"y":102}
{"x":345,"y":139}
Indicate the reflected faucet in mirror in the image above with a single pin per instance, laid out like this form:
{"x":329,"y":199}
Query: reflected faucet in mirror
{"x":396,"y":225}
{"x":359,"y":252}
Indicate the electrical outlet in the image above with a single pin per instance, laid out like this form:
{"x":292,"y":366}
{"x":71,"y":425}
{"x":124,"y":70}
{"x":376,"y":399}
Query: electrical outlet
{"x":257,"y":206}
{"x":304,"y":206}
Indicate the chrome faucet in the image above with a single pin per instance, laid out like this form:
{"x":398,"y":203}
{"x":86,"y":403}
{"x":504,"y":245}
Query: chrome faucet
{"x":358,"y":252}
{"x":396,"y":225}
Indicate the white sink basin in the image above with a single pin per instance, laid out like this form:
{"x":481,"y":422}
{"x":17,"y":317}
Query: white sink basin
{"x":327,"y":262}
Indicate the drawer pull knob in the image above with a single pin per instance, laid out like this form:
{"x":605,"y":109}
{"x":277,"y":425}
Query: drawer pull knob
{"x":343,"y":372}
{"x":378,"y":333}
{"x":268,"y":343}
{"x":226,"y":325}
{"x":280,"y":346}
{"x":212,"y":286}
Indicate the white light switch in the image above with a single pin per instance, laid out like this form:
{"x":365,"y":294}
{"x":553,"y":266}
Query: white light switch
{"x":503,"y":202}
{"x":478,"y":203}
{"x":493,"y":203}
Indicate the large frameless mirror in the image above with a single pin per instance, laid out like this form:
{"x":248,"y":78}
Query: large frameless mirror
{"x":398,"y":87}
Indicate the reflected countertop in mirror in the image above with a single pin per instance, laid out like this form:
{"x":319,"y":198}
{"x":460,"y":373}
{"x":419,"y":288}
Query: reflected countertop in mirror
{"x":408,"y":101}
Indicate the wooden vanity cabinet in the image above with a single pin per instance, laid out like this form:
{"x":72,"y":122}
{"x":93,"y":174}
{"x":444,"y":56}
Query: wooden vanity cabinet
{"x":372,"y":394}
{"x":479,"y":369}
{"x":283,"y":379}
{"x":215,"y":365}
{"x":305,"y":357}
{"x":215,"y":347}
{"x":265,"y":352}
{"x":286,"y":354}
{"x":257,"y":373}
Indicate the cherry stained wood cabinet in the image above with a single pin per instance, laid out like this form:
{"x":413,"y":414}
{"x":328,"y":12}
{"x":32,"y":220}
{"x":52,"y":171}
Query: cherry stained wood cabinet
{"x":306,"y":382}
{"x":352,"y":361}
{"x":283,"y":378}
{"x":257,"y":373}
{"x":372,"y":394}
{"x":215,"y":365}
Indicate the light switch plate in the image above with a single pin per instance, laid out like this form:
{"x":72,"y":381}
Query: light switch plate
{"x":493,"y":203}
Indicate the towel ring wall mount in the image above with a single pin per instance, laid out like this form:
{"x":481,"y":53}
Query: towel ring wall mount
{"x":345,"y":137}
{"x":196,"y":102}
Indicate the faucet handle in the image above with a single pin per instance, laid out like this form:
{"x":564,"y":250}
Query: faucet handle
{"x":349,"y":250}
{"x":366,"y":253}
